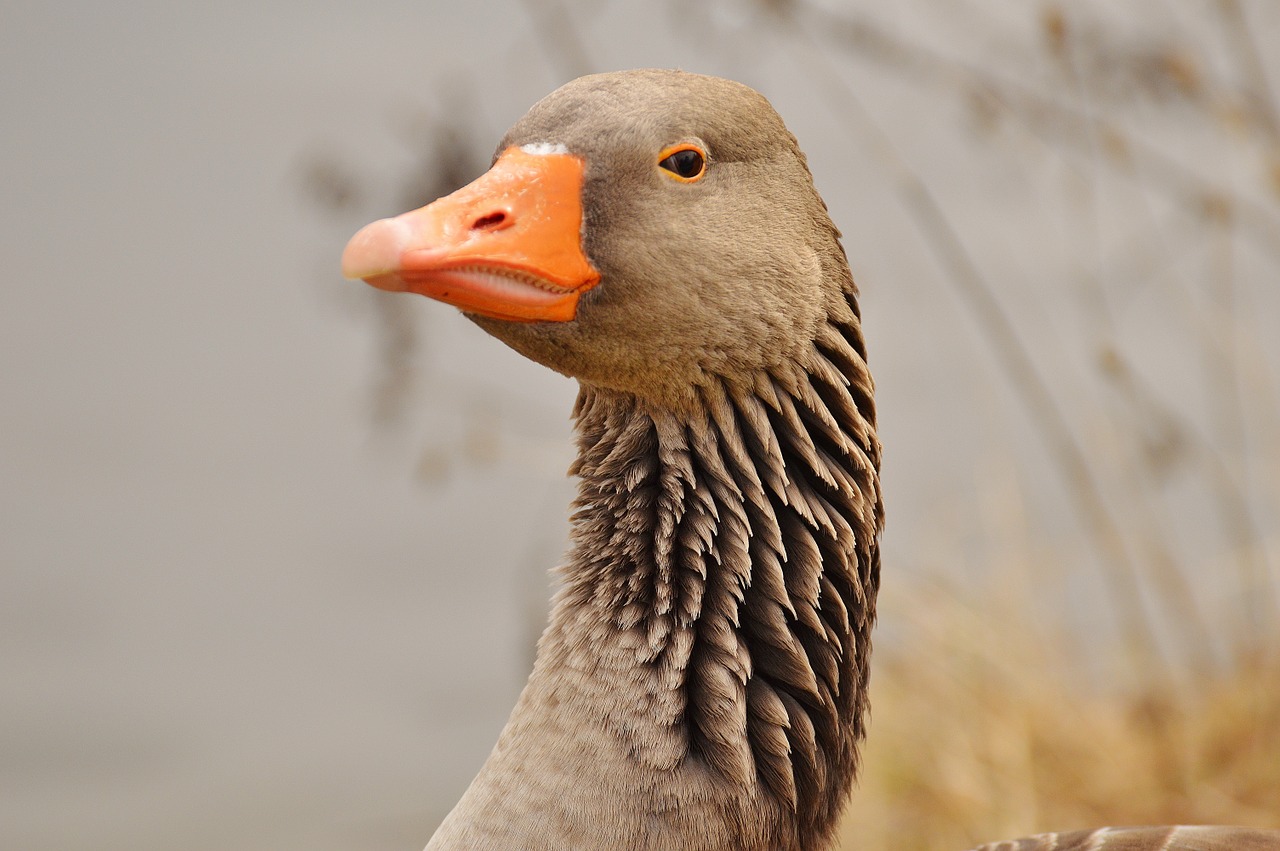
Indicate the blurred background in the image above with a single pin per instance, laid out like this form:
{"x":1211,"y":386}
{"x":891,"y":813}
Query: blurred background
{"x":274,"y":546}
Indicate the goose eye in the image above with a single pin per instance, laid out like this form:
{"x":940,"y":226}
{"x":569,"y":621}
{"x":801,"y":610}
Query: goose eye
{"x":684,"y":162}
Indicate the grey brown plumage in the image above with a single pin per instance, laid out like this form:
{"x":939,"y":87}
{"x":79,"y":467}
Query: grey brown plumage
{"x":702,"y":682}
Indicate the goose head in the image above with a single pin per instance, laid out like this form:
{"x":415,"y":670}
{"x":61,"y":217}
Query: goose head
{"x":638,"y":231}
{"x":657,"y":236}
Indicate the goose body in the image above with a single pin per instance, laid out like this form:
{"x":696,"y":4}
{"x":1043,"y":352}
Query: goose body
{"x":702,"y":682}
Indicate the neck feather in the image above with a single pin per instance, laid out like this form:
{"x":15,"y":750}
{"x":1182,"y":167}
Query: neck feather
{"x":730,"y":554}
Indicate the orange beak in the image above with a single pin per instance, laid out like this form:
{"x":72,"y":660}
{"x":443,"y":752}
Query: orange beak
{"x":507,"y":246}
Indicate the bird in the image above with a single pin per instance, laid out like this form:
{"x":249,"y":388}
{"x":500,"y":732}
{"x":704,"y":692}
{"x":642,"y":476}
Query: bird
{"x":702,"y":682}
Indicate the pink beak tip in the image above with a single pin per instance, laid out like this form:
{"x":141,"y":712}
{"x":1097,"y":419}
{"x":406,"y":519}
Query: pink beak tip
{"x":375,"y":249}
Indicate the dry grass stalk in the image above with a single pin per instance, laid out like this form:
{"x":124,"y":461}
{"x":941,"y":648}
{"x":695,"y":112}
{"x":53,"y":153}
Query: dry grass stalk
{"x":984,"y":728}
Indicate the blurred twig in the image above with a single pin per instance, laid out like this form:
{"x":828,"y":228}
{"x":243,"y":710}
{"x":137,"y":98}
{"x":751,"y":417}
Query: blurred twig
{"x":1142,"y":525}
{"x":1053,"y":122}
{"x":1258,"y":600}
{"x":1261,"y":97}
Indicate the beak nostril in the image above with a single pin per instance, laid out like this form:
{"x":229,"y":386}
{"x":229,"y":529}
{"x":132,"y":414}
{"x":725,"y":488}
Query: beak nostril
{"x":490,"y":221}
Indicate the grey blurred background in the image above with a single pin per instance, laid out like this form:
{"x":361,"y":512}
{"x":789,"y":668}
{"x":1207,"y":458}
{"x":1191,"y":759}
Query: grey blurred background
{"x":274,"y":546}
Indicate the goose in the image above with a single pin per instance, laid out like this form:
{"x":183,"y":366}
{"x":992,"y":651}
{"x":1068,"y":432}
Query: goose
{"x":702,"y":682}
